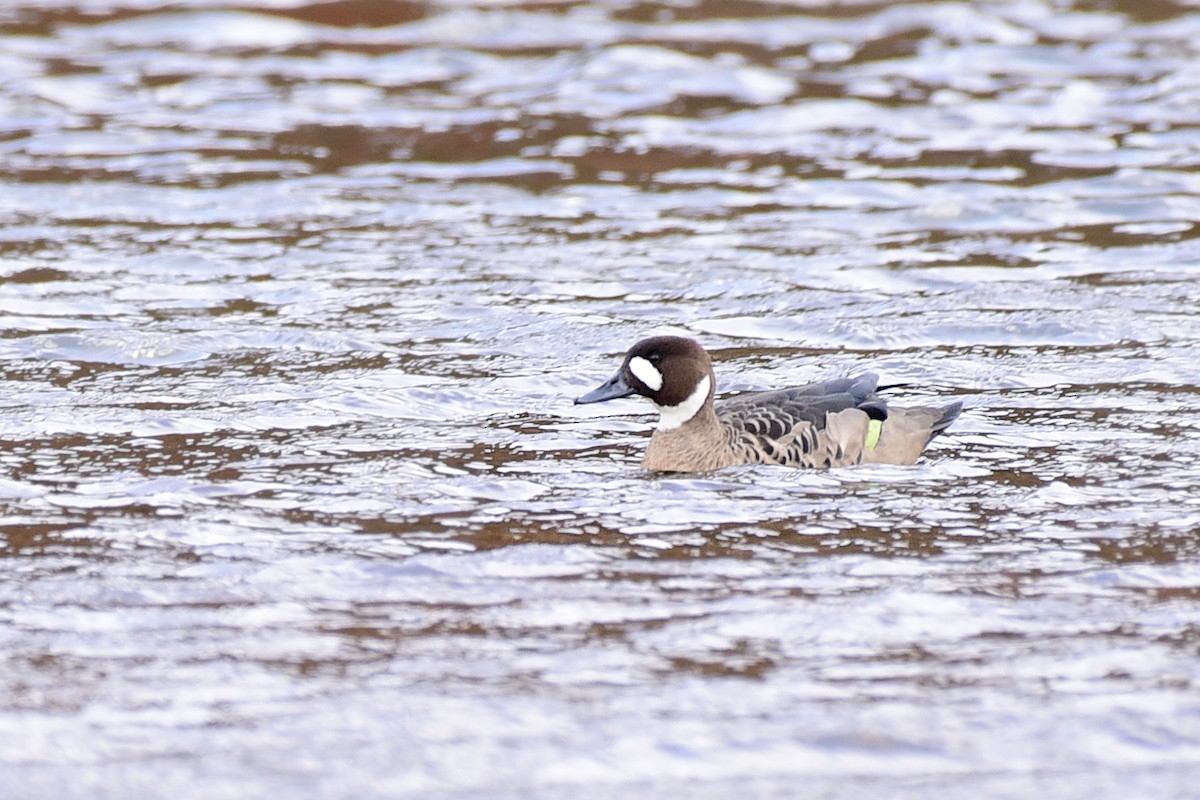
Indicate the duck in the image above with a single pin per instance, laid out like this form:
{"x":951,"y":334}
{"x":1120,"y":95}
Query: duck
{"x":834,"y":423}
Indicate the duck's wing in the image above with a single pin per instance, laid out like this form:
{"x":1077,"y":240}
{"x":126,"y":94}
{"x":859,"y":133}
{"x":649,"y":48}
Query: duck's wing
{"x":816,"y":425}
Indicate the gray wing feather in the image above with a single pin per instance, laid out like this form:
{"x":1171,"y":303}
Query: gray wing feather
{"x":787,"y":425}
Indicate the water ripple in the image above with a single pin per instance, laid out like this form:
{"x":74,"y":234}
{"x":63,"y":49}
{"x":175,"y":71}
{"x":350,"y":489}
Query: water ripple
{"x":295,"y":299}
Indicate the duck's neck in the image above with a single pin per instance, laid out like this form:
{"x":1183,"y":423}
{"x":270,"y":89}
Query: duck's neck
{"x":698,"y":445}
{"x":673,"y":417}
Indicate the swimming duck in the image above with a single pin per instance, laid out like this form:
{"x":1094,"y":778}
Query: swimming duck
{"x":829,"y":424}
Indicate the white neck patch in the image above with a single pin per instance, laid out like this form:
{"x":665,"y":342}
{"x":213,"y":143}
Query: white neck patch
{"x":671,"y":417}
{"x":646,"y":372}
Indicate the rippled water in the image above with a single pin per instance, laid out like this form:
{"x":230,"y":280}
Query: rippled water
{"x":295,"y":297}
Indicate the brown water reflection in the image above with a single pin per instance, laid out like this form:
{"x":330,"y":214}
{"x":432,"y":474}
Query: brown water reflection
{"x":294,"y":298}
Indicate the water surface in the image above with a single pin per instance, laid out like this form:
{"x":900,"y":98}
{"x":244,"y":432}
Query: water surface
{"x":294,"y":298}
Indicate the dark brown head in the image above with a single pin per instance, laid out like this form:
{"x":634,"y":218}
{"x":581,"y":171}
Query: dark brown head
{"x":675,"y":373}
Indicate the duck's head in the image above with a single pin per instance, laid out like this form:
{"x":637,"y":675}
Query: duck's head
{"x":674,"y":372}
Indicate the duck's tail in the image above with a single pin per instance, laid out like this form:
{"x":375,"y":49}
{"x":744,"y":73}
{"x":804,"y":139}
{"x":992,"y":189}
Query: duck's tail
{"x":907,"y":431}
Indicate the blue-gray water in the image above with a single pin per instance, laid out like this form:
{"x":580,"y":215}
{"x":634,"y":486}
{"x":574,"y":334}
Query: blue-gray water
{"x":294,"y":298}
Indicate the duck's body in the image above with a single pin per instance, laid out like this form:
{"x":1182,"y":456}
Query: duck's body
{"x":831,"y":424}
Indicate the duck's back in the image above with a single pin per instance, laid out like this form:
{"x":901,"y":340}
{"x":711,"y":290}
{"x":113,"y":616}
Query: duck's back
{"x":828,"y":424}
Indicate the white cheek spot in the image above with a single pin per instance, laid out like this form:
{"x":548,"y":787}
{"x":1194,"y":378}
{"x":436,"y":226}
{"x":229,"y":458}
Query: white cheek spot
{"x":671,"y":417}
{"x":646,"y":372}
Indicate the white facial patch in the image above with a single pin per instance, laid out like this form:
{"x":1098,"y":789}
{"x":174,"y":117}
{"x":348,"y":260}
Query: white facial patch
{"x":671,"y":417}
{"x":646,"y":372}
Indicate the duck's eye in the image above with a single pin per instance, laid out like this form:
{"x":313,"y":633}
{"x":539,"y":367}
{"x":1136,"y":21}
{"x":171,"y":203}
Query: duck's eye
{"x":654,"y":358}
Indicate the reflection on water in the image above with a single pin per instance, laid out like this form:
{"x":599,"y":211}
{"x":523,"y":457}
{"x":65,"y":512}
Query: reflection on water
{"x":294,"y":298}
